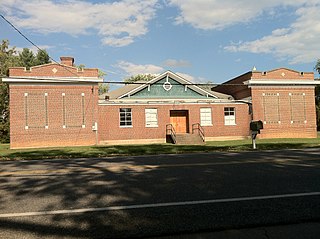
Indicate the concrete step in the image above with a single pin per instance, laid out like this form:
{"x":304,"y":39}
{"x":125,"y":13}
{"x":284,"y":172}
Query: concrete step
{"x":188,"y":139}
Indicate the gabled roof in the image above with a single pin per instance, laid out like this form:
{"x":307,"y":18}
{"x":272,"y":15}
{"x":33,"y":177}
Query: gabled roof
{"x":135,"y":87}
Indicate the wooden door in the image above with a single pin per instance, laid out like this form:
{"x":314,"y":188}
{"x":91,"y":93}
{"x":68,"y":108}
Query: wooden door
{"x":179,"y":120}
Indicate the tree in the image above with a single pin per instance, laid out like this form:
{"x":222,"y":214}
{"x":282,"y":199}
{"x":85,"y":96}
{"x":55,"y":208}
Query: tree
{"x":317,"y":66}
{"x":27,"y":58}
{"x":103,"y":88}
{"x":42,"y":57}
{"x":8,"y":58}
{"x":140,"y":77}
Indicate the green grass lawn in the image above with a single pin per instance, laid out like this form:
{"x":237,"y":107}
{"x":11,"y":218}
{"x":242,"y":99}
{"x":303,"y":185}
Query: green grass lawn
{"x":106,"y":151}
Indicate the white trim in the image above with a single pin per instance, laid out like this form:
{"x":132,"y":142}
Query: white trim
{"x":151,"y":103}
{"x":281,"y":82}
{"x":51,"y":80}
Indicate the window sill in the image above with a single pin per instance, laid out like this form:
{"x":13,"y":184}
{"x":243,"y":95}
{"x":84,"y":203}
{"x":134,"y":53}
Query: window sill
{"x":126,"y":126}
{"x":151,"y":126}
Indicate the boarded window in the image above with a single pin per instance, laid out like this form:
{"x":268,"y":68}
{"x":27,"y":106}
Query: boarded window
{"x":205,"y":117}
{"x":151,"y":117}
{"x":271,"y":103}
{"x":36,"y":110}
{"x":73,"y":110}
{"x":297,"y":108}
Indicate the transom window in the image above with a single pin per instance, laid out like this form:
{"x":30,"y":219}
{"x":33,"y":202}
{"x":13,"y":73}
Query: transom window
{"x":125,"y":117}
{"x":205,"y":117}
{"x":229,"y":116}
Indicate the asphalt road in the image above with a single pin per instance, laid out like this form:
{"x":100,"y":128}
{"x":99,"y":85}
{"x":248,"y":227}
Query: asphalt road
{"x":149,"y":196}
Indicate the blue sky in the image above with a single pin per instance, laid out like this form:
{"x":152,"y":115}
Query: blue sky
{"x":202,"y":40}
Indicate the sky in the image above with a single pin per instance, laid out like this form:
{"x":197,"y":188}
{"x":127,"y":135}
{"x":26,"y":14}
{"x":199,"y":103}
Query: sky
{"x":201,"y":40}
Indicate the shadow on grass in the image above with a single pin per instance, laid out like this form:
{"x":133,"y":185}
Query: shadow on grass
{"x":152,"y":149}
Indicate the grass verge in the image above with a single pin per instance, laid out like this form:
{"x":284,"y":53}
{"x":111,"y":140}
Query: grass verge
{"x":129,"y":150}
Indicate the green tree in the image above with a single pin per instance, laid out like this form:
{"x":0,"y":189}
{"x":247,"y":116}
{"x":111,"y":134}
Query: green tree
{"x":42,"y":57}
{"x":140,"y":77}
{"x":27,"y":58}
{"x":103,"y":88}
{"x":8,"y":58}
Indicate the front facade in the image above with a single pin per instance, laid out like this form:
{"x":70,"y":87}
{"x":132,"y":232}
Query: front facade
{"x":58,"y":105}
{"x":142,"y":112}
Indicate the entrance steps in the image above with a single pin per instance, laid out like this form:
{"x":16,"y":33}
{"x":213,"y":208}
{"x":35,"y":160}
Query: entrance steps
{"x":189,"y":139}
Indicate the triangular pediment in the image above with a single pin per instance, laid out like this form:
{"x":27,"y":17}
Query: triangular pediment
{"x":165,"y":86}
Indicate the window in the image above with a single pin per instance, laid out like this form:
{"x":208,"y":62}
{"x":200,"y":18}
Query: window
{"x":229,"y":116}
{"x":125,"y":117}
{"x":205,"y":117}
{"x":151,"y":117}
{"x":297,"y":108}
{"x":73,"y":110}
{"x":36,"y":110}
{"x":271,"y":108}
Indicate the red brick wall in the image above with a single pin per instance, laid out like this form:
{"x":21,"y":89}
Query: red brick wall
{"x":287,"y":112}
{"x":36,"y":135}
{"x":52,"y":70}
{"x":282,"y":74}
{"x":109,"y":128}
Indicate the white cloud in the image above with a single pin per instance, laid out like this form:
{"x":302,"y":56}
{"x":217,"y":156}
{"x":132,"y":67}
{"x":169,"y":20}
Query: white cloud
{"x":34,"y":49}
{"x":176,"y":63}
{"x":191,"y":78}
{"x":118,"y":23}
{"x":299,"y":43}
{"x":132,"y":69}
{"x":217,"y":14}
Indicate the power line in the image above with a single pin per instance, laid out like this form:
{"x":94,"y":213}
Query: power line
{"x":25,"y":37}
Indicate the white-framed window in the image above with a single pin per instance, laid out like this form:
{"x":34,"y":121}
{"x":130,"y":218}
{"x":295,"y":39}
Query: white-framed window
{"x":36,"y":110}
{"x":73,"y":110}
{"x":151,"y":117}
{"x":205,"y":117}
{"x":229,"y":116}
{"x":125,"y":117}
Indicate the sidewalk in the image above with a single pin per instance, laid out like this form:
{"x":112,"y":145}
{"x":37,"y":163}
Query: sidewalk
{"x":294,"y":231}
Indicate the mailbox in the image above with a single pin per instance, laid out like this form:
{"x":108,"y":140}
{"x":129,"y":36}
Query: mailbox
{"x":256,"y":126}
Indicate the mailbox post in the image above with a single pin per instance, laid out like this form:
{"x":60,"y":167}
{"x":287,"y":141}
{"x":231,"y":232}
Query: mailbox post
{"x":255,"y":127}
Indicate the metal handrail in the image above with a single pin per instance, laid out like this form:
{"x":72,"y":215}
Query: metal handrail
{"x":198,"y":127}
{"x":171,"y":131}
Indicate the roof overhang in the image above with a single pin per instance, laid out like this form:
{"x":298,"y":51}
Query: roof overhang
{"x":52,"y":80}
{"x":258,"y":82}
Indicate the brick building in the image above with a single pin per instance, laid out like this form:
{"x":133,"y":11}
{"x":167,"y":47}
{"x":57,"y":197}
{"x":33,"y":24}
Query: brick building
{"x":283,"y":99}
{"x":58,"y":105}
{"x":53,"y":105}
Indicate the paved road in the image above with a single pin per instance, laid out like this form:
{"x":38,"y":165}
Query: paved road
{"x":158,"y":195}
